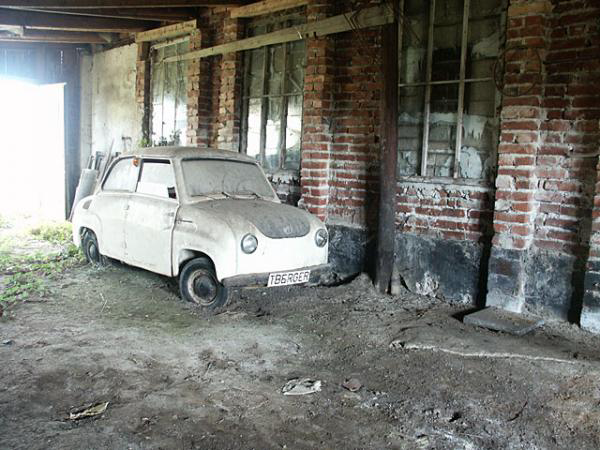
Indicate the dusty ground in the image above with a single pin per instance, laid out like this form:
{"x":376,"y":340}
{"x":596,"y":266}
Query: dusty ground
{"x":176,"y":379}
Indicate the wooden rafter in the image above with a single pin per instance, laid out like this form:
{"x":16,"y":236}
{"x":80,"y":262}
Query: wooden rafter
{"x":56,"y":37}
{"x":265,"y":7}
{"x":167,"y":32}
{"x":143,"y":14}
{"x":45,"y":21}
{"x":98,"y":4}
{"x":369,"y":17}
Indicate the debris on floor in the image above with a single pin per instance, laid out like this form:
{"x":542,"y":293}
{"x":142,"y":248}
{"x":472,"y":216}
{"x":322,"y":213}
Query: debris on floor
{"x":500,"y":320}
{"x":301,"y":386}
{"x":88,"y":411}
{"x":352,"y":384}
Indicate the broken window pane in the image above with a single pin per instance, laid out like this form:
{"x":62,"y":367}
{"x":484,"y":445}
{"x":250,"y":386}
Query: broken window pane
{"x":273,"y":133}
{"x":410,"y":129}
{"x":253,"y":128}
{"x":293,"y":134}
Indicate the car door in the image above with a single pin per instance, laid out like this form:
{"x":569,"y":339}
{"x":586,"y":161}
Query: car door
{"x":111,"y":203}
{"x":151,"y":217}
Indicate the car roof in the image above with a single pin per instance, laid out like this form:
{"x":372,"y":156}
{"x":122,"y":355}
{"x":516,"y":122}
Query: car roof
{"x":188,"y":152}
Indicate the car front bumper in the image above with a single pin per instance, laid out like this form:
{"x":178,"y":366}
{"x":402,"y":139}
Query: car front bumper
{"x":318,"y":274}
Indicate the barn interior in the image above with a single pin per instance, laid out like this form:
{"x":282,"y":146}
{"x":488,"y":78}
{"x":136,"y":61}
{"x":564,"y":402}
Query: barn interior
{"x":451,"y":149}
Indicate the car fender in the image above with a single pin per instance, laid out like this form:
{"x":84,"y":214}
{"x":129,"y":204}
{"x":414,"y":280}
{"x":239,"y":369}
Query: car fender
{"x":83,"y":217}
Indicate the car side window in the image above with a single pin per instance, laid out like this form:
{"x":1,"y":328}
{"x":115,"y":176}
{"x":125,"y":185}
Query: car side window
{"x":157,"y":179}
{"x":122,"y":176}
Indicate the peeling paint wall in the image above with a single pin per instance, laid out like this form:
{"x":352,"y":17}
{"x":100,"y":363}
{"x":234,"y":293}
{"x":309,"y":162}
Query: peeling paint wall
{"x":109,"y":113}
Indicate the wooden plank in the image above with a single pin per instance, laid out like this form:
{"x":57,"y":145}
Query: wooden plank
{"x":45,"y":21}
{"x":461,"y":88}
{"x":365,"y":18}
{"x":57,"y":37}
{"x":265,"y":7}
{"x":97,"y":4}
{"x":427,"y":101}
{"x":152,"y":14}
{"x":170,"y":31}
{"x":388,"y":160}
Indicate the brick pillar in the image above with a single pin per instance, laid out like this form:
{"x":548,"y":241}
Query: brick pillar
{"x":521,"y":124}
{"x":142,"y":90}
{"x":199,"y":88}
{"x":590,"y":313}
{"x":230,"y":94}
{"x":317,"y":132}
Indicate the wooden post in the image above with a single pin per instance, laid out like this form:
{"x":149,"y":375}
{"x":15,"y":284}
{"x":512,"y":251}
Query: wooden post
{"x":389,"y":159}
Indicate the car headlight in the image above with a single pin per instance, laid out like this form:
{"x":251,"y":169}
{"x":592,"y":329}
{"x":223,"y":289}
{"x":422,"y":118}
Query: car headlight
{"x":321,"y":237}
{"x":249,"y":243}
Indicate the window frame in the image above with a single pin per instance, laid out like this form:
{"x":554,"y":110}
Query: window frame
{"x":264,"y":97}
{"x":120,"y":191}
{"x":461,"y":81}
{"x":141,"y":171}
{"x":162,"y":65}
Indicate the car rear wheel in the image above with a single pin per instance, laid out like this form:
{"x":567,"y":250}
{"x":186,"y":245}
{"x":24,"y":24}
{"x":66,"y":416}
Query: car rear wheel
{"x":91,"y":250}
{"x":198,"y":284}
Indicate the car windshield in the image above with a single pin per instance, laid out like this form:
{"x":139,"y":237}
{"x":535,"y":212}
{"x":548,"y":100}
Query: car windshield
{"x":205,"y":177}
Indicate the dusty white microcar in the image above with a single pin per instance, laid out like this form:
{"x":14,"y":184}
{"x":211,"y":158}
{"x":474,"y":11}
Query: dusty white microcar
{"x":209,"y":217}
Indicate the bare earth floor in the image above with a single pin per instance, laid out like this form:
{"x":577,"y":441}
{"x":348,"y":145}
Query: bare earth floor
{"x":176,"y":379}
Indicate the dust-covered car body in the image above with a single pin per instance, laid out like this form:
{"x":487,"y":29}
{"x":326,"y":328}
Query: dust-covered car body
{"x":162,"y":207}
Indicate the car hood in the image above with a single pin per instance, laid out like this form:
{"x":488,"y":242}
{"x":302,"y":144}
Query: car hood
{"x":274,"y":220}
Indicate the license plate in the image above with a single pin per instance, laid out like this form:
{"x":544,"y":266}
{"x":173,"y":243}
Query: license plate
{"x":287,"y":278}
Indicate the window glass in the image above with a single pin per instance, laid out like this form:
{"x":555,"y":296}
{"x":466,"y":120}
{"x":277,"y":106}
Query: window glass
{"x":169,"y":95}
{"x":211,"y":176}
{"x":157,"y":178}
{"x":448,"y":101}
{"x":272,"y":108}
{"x":122,"y":176}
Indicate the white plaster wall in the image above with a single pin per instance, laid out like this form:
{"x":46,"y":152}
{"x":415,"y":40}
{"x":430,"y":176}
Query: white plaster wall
{"x":110,"y":116}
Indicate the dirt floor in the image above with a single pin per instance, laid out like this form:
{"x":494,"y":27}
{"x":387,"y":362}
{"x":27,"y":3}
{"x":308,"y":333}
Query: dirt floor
{"x":176,"y":379}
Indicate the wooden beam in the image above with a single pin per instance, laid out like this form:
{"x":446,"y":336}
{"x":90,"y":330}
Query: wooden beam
{"x":56,"y":37}
{"x":388,"y":160}
{"x":265,"y":7}
{"x":170,"y":31}
{"x":97,"y":4}
{"x":153,"y":14}
{"x":44,"y":21}
{"x":365,"y":18}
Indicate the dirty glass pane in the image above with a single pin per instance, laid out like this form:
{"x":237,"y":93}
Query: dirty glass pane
{"x":205,"y":176}
{"x":253,"y":128}
{"x":254,"y":76}
{"x":442,"y":130}
{"x":157,"y":178}
{"x":447,"y":40}
{"x":480,"y":131}
{"x":122,"y":176}
{"x":413,"y":56}
{"x":169,"y":96}
{"x":275,"y":70}
{"x":293,"y":132}
{"x":485,"y":38}
{"x":410,"y":129}
{"x":273,"y":132}
{"x":295,"y":70}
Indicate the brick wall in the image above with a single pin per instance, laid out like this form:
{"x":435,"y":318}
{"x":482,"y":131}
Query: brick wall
{"x":520,"y":241}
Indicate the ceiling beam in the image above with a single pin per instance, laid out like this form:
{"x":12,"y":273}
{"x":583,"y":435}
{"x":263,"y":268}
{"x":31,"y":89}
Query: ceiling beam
{"x":100,"y":4}
{"x":170,"y":31}
{"x":265,"y":7}
{"x":56,"y":37}
{"x":155,"y":14}
{"x":44,"y":21}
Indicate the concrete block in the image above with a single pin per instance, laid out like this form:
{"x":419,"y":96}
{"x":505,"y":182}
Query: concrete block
{"x":502,"y":320}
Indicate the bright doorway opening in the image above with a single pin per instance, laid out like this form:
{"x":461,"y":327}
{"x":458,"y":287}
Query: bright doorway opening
{"x":32,"y":145}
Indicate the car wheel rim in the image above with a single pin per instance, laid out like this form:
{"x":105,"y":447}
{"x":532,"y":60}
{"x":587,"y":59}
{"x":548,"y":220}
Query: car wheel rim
{"x":203,"y":288}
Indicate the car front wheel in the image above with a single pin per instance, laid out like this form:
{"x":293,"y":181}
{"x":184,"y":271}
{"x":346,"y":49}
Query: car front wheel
{"x":198,"y":284}
{"x":91,"y":250}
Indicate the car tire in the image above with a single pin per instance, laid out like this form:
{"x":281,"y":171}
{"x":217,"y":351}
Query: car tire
{"x":91,"y":250}
{"x":198,"y":284}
